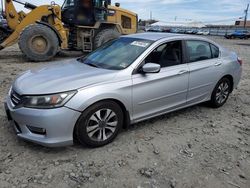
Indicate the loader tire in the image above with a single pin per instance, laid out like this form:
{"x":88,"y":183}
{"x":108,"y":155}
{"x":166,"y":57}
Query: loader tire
{"x":38,"y":43}
{"x":105,"y":36}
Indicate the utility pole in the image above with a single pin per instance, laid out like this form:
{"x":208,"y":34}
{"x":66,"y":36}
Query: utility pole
{"x":246,"y":13}
{"x":151,"y":17}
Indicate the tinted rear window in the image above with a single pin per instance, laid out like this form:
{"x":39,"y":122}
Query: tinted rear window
{"x":198,"y":50}
{"x":215,"y":51}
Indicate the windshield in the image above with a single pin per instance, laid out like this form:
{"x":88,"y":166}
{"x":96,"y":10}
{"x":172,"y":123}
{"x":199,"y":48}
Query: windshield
{"x":68,"y":3}
{"x":117,"y":54}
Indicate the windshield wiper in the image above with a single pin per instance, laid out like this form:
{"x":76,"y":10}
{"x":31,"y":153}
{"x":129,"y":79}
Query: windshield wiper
{"x":82,"y":60}
{"x":92,"y":65}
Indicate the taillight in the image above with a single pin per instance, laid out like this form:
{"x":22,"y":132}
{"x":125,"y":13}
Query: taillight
{"x":239,"y":61}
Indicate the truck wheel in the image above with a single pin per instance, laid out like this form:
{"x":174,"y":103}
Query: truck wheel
{"x":104,"y":36}
{"x":38,"y":42}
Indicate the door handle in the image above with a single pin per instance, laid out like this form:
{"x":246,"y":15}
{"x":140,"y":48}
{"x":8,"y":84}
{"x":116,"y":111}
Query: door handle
{"x":217,"y":64}
{"x":182,"y":72}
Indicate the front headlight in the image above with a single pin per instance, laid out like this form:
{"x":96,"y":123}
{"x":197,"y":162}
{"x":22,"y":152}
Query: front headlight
{"x":48,"y":101}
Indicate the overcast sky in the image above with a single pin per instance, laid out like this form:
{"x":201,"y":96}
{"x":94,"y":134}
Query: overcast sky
{"x":181,"y":10}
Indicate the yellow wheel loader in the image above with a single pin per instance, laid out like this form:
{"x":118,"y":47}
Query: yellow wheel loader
{"x":77,"y":25}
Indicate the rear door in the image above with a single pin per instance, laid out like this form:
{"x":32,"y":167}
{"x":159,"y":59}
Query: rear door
{"x":203,"y":63}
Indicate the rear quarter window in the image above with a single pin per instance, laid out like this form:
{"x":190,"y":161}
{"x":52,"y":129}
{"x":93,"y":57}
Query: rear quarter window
{"x":215,"y":51}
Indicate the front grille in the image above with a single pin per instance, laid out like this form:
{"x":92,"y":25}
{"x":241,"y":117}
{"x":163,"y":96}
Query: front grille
{"x":15,"y":98}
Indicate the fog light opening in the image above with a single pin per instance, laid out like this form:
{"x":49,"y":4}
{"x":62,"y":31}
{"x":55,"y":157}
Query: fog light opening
{"x":17,"y":127}
{"x":37,"y":130}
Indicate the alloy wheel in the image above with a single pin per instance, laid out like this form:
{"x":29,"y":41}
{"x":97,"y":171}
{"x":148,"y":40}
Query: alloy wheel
{"x":222,"y":92}
{"x":102,"y":125}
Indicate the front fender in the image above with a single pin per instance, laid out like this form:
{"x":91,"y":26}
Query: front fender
{"x":53,"y":28}
{"x":120,"y":91}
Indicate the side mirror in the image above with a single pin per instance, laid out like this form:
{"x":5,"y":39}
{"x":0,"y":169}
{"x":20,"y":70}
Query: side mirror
{"x":151,"y":68}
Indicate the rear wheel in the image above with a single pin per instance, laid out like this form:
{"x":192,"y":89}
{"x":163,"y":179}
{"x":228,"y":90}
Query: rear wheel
{"x":221,"y":93}
{"x":105,"y":36}
{"x":99,"y":124}
{"x":39,"y":42}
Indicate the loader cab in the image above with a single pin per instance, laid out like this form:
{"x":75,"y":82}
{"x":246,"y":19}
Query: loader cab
{"x":84,"y":12}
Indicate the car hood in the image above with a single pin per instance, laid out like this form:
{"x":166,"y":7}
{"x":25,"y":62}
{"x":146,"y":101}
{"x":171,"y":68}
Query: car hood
{"x":60,"y":77}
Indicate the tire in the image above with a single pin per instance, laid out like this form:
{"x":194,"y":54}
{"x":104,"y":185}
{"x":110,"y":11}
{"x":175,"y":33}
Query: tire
{"x":224,"y":92}
{"x":105,"y":36}
{"x":38,"y":43}
{"x":90,"y":126}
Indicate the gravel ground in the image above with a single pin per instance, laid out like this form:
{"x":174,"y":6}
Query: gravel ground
{"x":194,"y":147}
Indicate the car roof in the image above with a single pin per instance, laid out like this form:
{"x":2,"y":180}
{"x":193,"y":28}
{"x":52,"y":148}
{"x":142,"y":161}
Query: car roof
{"x":154,"y":36}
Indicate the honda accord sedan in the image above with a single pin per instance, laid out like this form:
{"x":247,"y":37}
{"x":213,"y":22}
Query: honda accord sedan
{"x":128,"y":80}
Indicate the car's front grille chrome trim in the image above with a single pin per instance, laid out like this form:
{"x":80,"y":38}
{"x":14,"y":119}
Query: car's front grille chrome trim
{"x":15,"y":98}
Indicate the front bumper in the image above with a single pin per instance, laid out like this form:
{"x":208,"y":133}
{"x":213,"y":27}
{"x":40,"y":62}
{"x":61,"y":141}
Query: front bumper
{"x":58,"y":124}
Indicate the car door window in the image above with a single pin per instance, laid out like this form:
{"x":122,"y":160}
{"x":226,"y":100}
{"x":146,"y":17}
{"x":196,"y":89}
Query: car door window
{"x":198,"y":50}
{"x":167,"y":54}
{"x":215,"y":51}
{"x":161,"y":48}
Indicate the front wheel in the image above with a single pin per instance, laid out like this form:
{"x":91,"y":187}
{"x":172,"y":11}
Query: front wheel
{"x":39,"y":43}
{"x":99,"y":124}
{"x":221,"y":93}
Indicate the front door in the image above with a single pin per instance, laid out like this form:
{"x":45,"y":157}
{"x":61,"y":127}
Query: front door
{"x":157,"y":93}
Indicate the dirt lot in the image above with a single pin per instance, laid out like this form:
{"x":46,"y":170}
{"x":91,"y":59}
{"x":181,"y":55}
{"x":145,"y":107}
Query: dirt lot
{"x":194,"y":147}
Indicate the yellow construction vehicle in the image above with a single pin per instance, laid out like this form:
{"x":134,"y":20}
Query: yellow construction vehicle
{"x":77,"y":25}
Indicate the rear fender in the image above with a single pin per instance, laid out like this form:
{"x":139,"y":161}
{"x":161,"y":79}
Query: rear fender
{"x":105,"y":25}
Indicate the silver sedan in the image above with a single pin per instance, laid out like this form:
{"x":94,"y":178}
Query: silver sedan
{"x":128,"y":80}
